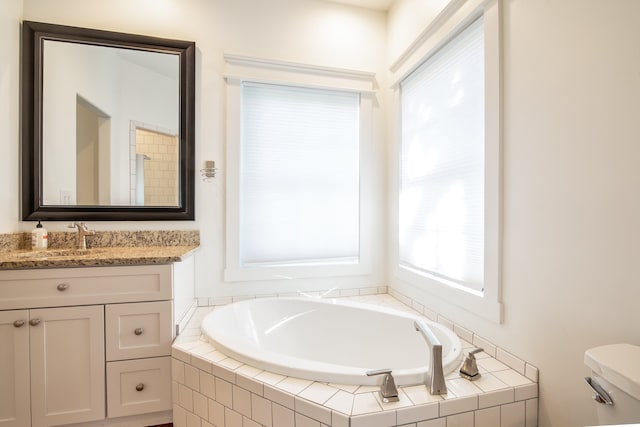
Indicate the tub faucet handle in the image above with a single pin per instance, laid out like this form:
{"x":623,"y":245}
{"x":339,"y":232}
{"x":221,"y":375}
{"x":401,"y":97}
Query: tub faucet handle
{"x":388,"y":390}
{"x":469,"y":368}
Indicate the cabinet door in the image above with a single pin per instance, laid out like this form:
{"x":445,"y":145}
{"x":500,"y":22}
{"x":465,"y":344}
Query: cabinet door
{"x":67,"y":365}
{"x":14,"y":369}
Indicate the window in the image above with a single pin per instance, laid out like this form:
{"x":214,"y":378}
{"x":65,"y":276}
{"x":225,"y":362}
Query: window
{"x":299,"y":185}
{"x":298,"y":171}
{"x":449,"y":168}
{"x":441,"y":221}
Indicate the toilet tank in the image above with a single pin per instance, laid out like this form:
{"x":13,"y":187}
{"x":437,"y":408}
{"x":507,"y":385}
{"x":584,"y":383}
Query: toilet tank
{"x":615,"y":382}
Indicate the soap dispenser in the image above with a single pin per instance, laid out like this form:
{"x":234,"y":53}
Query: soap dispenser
{"x":39,"y":238}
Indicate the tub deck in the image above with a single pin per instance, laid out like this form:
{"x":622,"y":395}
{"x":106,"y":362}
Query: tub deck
{"x":211,"y":389}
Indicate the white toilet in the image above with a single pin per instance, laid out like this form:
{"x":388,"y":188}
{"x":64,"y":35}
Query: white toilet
{"x":615,"y":382}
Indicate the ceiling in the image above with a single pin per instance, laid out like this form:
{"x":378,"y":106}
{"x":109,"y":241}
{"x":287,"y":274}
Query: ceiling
{"x":368,"y":4}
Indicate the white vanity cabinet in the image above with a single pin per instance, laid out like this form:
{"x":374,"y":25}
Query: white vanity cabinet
{"x":81,"y":345}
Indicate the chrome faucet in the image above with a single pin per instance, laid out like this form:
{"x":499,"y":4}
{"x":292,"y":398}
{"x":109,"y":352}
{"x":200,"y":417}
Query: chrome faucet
{"x":436,"y":384}
{"x":83,"y":232}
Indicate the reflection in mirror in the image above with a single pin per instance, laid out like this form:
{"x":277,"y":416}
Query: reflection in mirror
{"x":108,"y":125}
{"x":91,"y":133}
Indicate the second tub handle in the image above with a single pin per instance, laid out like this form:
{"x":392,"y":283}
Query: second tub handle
{"x":388,"y":391}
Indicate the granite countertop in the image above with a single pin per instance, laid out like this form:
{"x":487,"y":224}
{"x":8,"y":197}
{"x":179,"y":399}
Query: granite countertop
{"x":53,"y":258}
{"x":106,"y":249}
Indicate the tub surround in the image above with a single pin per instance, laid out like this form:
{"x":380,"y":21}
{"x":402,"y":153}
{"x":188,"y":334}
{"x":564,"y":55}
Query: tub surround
{"x":105,"y":248}
{"x":210,"y":388}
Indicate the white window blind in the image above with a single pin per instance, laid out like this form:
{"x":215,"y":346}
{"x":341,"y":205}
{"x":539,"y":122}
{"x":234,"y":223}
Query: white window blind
{"x":299,"y":181}
{"x":441,"y":205}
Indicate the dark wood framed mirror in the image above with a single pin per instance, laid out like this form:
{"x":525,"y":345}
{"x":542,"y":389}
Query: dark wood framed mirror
{"x":108,"y":125}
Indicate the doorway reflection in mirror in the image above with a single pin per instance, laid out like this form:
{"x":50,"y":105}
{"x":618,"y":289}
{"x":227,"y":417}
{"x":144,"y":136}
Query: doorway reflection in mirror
{"x":154,"y":171}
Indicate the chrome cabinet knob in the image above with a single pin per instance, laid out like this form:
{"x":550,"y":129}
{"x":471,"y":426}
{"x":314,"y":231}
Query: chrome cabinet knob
{"x":138,"y":331}
{"x":62,"y":287}
{"x":18,"y":323}
{"x":140,"y":387}
{"x":34,"y":322}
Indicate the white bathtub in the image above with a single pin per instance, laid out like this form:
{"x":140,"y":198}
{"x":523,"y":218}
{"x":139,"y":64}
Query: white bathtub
{"x":327,"y":340}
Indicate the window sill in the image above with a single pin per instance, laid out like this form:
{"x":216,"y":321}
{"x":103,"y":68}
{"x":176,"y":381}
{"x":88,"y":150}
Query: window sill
{"x":258,"y":273}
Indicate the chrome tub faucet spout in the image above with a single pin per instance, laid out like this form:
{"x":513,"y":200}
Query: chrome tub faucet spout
{"x":436,"y":381}
{"x":83,"y":232}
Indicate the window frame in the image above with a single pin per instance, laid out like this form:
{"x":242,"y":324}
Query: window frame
{"x":429,"y":287}
{"x":243,"y":69}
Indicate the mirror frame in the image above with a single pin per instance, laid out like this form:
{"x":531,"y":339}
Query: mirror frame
{"x":33,"y":36}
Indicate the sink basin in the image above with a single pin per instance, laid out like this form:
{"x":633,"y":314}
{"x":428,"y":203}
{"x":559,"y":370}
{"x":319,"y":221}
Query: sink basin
{"x":55,"y":253}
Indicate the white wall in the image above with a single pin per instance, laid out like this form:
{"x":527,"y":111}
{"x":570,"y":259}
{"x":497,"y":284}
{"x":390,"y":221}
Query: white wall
{"x":407,"y":19}
{"x":10,"y":17}
{"x":571,"y":196}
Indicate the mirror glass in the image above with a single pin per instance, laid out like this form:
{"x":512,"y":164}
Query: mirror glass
{"x":109,"y":126}
{"x":108,"y":147}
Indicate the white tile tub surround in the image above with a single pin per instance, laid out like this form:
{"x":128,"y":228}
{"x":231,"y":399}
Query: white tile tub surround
{"x":331,"y":293}
{"x":210,"y":389}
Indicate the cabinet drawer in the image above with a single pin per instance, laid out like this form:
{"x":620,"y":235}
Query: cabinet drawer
{"x":138,"y":386}
{"x":82,"y":286}
{"x":138,"y":330}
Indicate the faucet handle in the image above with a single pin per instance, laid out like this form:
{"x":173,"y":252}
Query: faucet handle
{"x":78,"y":225}
{"x":378,"y":372}
{"x":469,"y":368}
{"x":475,"y":351}
{"x":388,"y":391}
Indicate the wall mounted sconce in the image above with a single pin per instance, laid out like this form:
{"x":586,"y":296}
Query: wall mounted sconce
{"x":209,"y":170}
